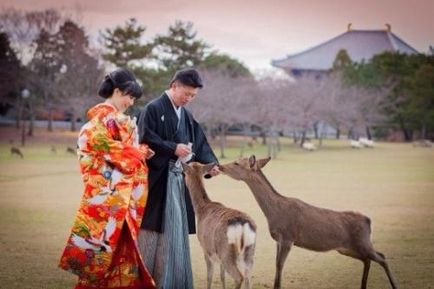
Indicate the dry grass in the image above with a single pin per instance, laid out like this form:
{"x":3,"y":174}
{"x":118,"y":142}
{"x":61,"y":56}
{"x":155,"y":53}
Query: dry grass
{"x":393,"y":184}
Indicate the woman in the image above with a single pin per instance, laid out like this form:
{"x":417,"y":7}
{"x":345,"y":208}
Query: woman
{"x":102,"y":248}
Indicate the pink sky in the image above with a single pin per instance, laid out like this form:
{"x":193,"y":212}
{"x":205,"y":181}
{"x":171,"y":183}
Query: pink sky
{"x":255,"y":31}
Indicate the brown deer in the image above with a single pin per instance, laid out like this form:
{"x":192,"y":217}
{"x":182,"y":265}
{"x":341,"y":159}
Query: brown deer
{"x":294,"y":222}
{"x":71,"y":150}
{"x":16,"y":151}
{"x":226,"y":235}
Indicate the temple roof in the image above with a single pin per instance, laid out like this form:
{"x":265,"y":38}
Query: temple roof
{"x":359,"y":44}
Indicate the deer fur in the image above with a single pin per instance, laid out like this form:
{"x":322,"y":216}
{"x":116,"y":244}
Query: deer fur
{"x":294,"y":222}
{"x":226,"y":235}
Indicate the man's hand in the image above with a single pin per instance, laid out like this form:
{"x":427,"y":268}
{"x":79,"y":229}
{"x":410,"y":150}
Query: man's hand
{"x":182,"y":150}
{"x":214,"y":171}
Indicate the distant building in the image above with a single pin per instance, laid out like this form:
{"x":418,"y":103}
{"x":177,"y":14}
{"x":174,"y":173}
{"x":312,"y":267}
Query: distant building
{"x":359,"y":44}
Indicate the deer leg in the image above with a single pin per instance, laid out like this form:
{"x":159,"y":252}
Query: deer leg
{"x":209,"y":270}
{"x":247,"y":283}
{"x":238,"y":283}
{"x":249,"y":253}
{"x":222,"y":275}
{"x":366,"y":263}
{"x":381,"y":259}
{"x":230,"y":264}
{"x":366,"y":266}
{"x":235,"y":273}
{"x":282,"y":253}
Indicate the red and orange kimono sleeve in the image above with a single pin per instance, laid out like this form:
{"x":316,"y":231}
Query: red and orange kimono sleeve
{"x":102,"y":140}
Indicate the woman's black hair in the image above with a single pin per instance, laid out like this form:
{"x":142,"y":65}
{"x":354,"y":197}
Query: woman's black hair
{"x":124,"y":80}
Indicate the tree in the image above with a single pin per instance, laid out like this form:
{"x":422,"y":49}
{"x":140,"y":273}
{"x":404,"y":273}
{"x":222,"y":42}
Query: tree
{"x":226,"y":64}
{"x":124,"y":45}
{"x":223,"y":102}
{"x":125,"y":48}
{"x":9,"y":75}
{"x":396,"y":70}
{"x":44,"y":67}
{"x":422,"y":102}
{"x":179,"y":48}
{"x":80,"y":71}
{"x":24,"y":27}
{"x":342,"y":61}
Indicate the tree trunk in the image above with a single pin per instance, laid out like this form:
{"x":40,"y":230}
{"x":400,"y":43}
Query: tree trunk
{"x":73,"y":122}
{"x":222,"y":142}
{"x":423,"y":130}
{"x":31,"y":119}
{"x":351,"y":134}
{"x":50,"y":118}
{"x":368,"y":133}
{"x":272,"y":143}
{"x":279,"y":144}
{"x":243,"y":141}
{"x":405,"y":131}
{"x":303,"y":138}
{"x":294,"y":135}
{"x":338,"y":133}
{"x":315,"y":130}
{"x":19,"y":116}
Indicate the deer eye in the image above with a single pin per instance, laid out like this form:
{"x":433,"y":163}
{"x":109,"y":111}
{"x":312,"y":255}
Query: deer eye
{"x":237,"y":164}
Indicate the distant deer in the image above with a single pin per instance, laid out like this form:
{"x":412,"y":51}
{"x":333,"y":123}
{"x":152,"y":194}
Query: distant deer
{"x":71,"y":150}
{"x":16,"y":151}
{"x":226,"y":235}
{"x":53,"y":150}
{"x":309,"y":146}
{"x":294,"y":222}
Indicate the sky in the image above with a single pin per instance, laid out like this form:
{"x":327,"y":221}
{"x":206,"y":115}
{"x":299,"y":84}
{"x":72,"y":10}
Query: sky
{"x":255,"y":32}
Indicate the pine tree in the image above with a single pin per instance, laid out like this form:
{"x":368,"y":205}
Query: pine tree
{"x":225,"y":64}
{"x":9,"y":74}
{"x":124,"y":45}
{"x":179,"y":48}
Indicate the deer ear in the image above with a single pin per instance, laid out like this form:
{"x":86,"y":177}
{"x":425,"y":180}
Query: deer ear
{"x":263,"y":162}
{"x":252,"y":161}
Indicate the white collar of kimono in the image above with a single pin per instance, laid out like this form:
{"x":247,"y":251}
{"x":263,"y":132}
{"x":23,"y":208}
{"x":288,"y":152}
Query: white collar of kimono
{"x":176,"y":108}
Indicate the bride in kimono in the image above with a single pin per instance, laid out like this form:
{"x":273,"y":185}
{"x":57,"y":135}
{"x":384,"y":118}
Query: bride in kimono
{"x":102,"y":247}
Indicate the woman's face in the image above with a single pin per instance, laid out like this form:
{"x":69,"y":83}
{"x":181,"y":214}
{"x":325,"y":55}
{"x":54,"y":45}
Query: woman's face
{"x":121,"y":101}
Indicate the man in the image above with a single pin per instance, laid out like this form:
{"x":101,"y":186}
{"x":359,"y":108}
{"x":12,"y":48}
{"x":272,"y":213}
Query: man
{"x":171,"y":131}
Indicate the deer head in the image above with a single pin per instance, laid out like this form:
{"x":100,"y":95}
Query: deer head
{"x":195,"y":168}
{"x":241,"y":169}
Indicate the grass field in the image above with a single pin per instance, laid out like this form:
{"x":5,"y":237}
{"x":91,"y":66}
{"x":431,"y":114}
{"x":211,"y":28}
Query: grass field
{"x":393,"y":184}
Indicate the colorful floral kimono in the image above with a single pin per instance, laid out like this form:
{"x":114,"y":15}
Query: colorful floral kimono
{"x":102,"y":248}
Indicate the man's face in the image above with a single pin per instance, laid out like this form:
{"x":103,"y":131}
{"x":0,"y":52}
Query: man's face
{"x":183,"y":94}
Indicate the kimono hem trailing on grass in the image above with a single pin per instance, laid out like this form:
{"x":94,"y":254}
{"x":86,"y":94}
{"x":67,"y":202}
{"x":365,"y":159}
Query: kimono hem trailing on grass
{"x":102,"y":247}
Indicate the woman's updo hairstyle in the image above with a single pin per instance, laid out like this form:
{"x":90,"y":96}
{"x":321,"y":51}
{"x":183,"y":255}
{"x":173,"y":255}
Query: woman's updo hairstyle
{"x":122,"y":79}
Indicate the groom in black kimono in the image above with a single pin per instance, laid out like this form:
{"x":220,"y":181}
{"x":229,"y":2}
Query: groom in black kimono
{"x":174,"y":135}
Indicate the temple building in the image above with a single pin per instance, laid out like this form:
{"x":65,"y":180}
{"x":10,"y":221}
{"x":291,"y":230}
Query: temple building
{"x":359,"y":44}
